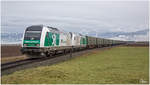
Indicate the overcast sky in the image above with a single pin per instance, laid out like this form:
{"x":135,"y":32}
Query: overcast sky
{"x":101,"y":16}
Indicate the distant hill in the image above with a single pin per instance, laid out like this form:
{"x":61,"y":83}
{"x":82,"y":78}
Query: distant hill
{"x":115,"y":34}
{"x":141,"y":35}
{"x":10,"y":38}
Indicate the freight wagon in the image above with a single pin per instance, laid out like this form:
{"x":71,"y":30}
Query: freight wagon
{"x":99,"y":42}
{"x":91,"y":42}
{"x":44,"y":41}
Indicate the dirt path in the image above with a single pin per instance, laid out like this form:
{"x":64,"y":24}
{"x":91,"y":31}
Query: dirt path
{"x":13,"y":58}
{"x":10,"y":50}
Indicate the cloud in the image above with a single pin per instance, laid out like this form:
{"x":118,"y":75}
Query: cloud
{"x":142,"y":35}
{"x":132,"y":38}
{"x":83,"y":17}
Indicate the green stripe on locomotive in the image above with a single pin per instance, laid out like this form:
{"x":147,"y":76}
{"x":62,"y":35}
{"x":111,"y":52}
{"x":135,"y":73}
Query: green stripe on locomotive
{"x":31,"y":42}
{"x":83,"y":41}
{"x":52,"y":39}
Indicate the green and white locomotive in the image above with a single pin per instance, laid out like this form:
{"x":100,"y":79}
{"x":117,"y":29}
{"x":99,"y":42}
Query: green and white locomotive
{"x":40,"y":40}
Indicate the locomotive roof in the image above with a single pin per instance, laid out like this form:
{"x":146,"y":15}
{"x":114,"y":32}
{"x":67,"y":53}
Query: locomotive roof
{"x":52,"y":28}
{"x":39,"y":28}
{"x":35,"y":28}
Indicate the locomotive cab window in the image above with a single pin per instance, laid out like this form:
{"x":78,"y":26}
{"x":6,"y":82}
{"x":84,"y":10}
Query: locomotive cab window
{"x":33,"y":33}
{"x":61,"y":40}
{"x":47,"y":34}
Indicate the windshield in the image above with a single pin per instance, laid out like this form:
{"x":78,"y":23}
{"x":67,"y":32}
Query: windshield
{"x":32,"y":35}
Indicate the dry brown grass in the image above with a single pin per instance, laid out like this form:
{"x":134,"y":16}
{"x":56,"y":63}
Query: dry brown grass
{"x":14,"y":58}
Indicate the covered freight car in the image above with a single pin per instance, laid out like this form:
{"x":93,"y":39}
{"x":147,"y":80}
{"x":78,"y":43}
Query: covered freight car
{"x":91,"y":42}
{"x":99,"y":42}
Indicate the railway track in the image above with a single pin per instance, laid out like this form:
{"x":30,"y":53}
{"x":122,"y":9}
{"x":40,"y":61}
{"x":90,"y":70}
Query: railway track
{"x":7,"y":66}
{"x":11,"y":67}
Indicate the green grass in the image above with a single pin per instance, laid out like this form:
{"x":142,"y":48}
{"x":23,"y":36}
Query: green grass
{"x":126,"y":65}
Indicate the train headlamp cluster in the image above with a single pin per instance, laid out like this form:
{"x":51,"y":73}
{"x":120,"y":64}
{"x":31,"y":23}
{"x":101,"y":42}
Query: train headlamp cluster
{"x":37,"y":44}
{"x":34,"y":44}
{"x":25,"y":45}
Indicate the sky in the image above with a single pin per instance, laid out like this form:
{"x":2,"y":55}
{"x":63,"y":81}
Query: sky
{"x":76,"y":16}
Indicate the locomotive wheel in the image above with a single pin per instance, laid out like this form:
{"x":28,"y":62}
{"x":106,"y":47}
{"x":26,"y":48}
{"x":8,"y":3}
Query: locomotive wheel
{"x":48,"y":54}
{"x":65,"y":52}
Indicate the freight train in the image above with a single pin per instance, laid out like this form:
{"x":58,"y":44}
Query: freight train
{"x":44,"y":41}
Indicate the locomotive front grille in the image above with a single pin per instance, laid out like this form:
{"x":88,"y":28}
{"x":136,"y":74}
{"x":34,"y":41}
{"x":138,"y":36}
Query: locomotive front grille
{"x":31,"y":49}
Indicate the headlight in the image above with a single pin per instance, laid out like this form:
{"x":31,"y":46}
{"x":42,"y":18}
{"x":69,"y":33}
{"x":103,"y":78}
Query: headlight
{"x":25,"y":45}
{"x":37,"y":44}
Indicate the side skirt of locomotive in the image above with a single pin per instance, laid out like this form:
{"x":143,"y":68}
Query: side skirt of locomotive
{"x":37,"y":52}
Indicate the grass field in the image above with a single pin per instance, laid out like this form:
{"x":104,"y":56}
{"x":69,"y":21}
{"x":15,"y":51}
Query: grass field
{"x":126,"y":65}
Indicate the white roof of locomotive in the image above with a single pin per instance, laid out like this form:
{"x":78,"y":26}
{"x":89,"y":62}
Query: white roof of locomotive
{"x":62,"y":31}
